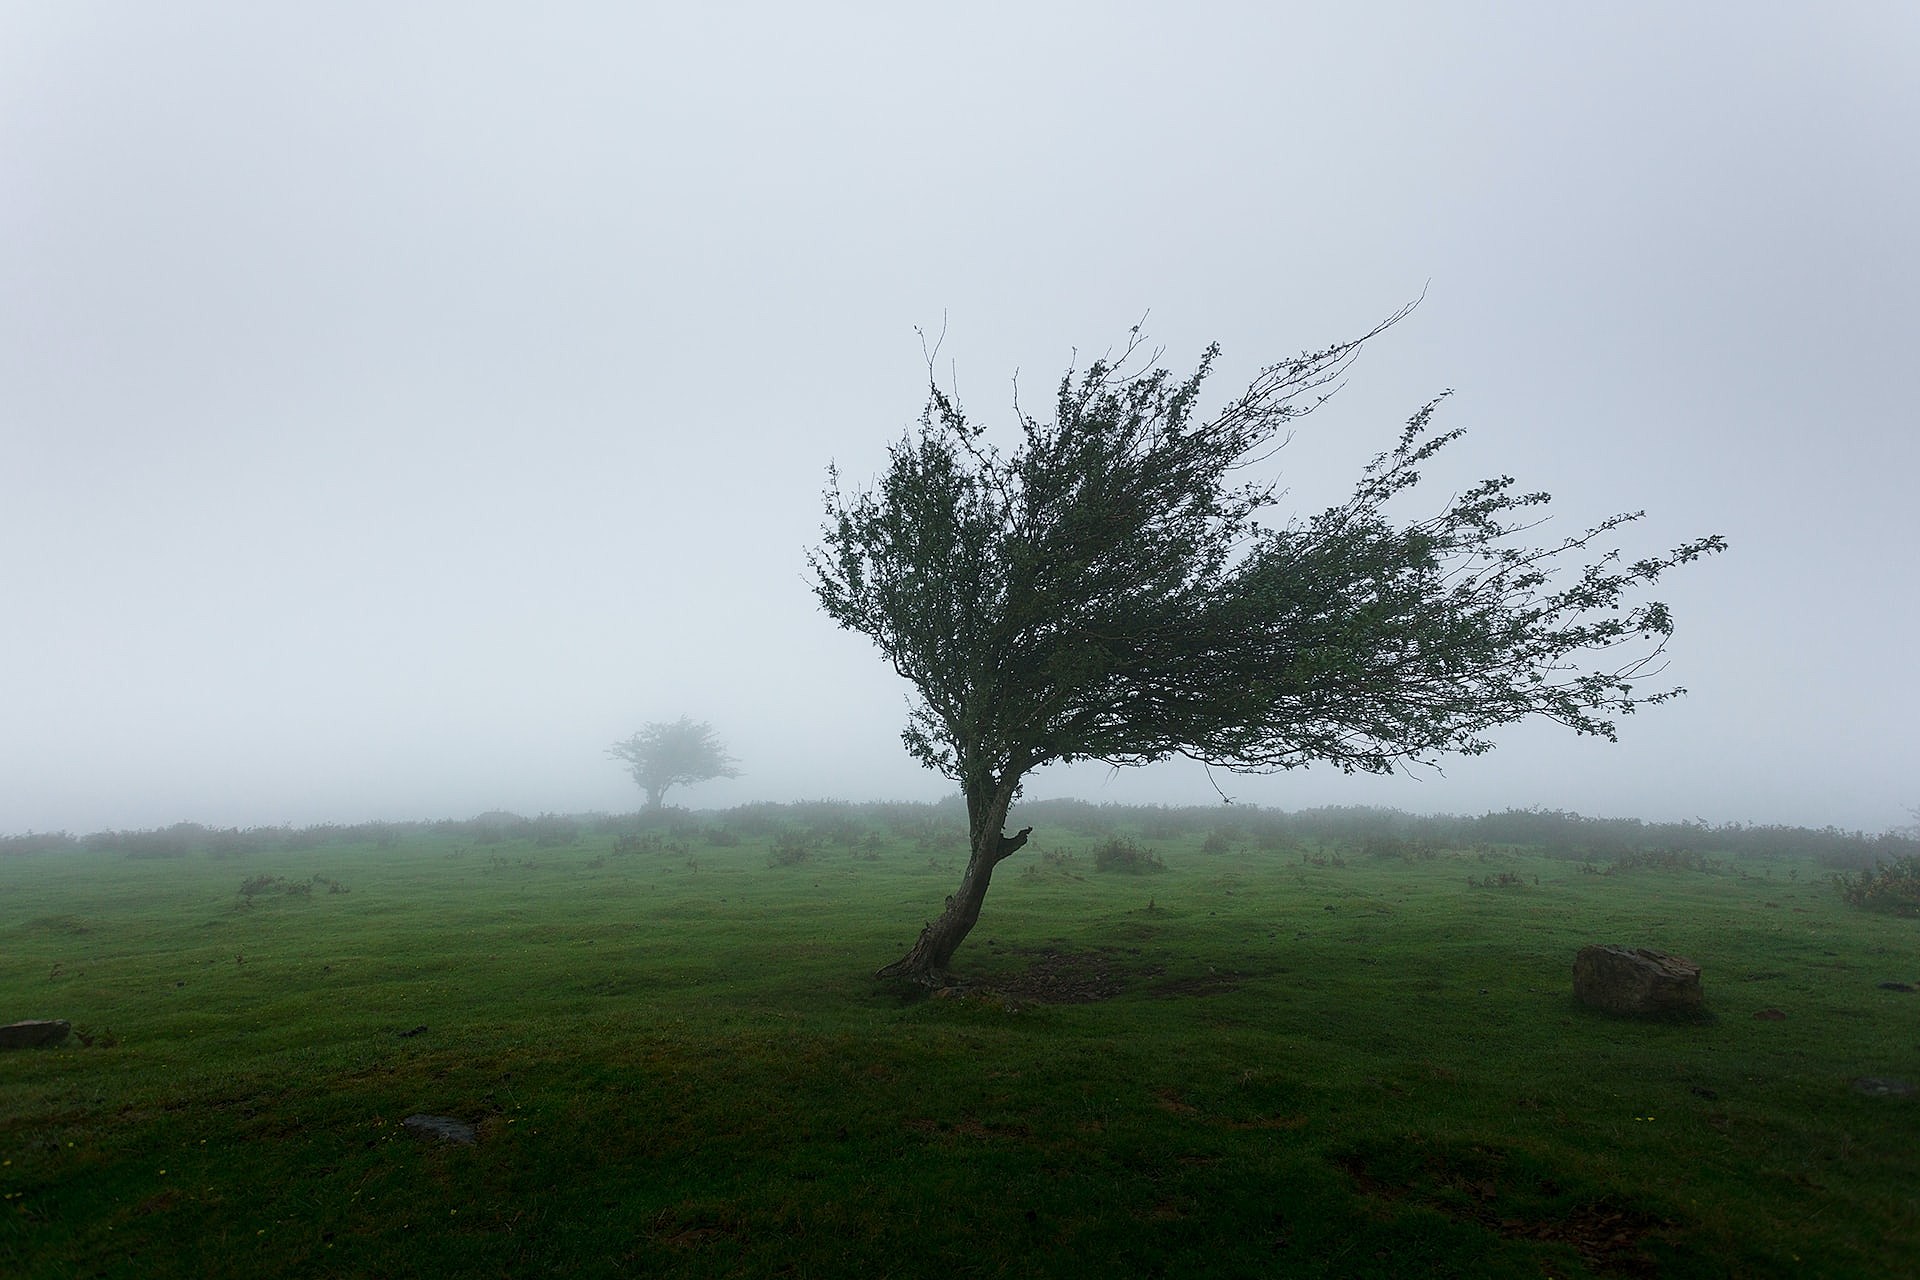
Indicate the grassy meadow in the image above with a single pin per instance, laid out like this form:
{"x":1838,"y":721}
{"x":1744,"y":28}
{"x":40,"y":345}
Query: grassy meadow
{"x":1261,"y":1052}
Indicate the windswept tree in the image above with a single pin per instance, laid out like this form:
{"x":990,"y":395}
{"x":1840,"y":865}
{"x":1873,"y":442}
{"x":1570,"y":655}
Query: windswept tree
{"x":664,"y":755}
{"x":1106,"y":589}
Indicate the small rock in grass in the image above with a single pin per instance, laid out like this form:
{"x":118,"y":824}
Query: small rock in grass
{"x":1884,"y":1087}
{"x":444,"y":1127}
{"x":34,"y":1033}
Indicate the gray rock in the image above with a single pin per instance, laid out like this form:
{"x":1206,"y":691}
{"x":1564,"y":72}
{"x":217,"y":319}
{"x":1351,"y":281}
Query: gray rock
{"x":1883,"y":1087}
{"x":34,"y":1033}
{"x":445,"y":1128}
{"x":1637,"y":982}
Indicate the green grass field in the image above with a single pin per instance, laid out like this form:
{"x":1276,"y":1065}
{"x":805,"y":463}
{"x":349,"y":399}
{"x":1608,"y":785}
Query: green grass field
{"x":1267,"y":1059}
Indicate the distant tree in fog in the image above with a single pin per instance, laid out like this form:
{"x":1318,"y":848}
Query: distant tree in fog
{"x":1109,"y":590}
{"x":670,"y":754}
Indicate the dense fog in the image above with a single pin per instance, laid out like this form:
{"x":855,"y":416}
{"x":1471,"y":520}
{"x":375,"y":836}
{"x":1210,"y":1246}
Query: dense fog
{"x":402,"y":405}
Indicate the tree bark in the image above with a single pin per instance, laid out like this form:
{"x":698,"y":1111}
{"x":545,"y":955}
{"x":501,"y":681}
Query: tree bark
{"x":927,"y":961}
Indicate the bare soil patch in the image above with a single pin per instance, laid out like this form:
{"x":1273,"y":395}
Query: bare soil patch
{"x":1610,"y":1237}
{"x":1057,"y":976}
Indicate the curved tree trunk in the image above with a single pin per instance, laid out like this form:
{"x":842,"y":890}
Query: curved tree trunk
{"x":927,"y":961}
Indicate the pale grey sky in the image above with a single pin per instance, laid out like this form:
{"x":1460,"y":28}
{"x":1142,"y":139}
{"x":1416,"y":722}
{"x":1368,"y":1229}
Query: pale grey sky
{"x":400,"y":403}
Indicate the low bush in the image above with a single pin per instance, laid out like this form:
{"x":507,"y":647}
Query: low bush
{"x":1121,"y":854}
{"x":254,"y":886}
{"x":1221,"y":840}
{"x":554,"y":831}
{"x":790,"y":848}
{"x":645,"y":842}
{"x":1892,"y":887}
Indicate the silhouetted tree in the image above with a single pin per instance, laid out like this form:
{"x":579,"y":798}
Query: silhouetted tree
{"x":1107,"y":591}
{"x":664,"y":755}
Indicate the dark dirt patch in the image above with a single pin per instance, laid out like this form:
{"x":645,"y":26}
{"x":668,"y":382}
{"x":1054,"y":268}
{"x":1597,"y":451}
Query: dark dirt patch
{"x":1475,"y":1185}
{"x":1075,"y":977}
{"x":1606,"y":1236}
{"x":968,"y":1127}
{"x":1209,"y":984}
{"x":1056,"y":975}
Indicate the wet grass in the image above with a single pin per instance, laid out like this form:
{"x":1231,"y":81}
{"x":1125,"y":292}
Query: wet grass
{"x":1257,"y":1062}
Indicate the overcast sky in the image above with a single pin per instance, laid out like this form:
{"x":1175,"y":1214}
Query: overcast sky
{"x":399,"y":403}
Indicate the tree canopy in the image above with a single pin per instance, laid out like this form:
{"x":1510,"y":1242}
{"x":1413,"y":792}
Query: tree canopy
{"x":1107,"y":589}
{"x":669,"y":754}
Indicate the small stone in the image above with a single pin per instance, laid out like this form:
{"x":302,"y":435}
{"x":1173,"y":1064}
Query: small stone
{"x":443,"y":1127}
{"x":34,"y":1033}
{"x":1636,"y":981}
{"x":1884,"y":1087}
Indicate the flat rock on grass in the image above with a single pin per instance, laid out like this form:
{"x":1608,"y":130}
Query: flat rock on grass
{"x":446,"y":1128}
{"x":34,"y":1033}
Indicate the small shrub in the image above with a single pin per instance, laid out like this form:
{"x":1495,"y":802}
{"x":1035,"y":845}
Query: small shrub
{"x":1121,"y":854}
{"x":1221,"y":840}
{"x":553,"y":831}
{"x":254,"y":886}
{"x":1502,"y":880}
{"x":648,"y":842}
{"x":1892,"y":887}
{"x":789,"y":849}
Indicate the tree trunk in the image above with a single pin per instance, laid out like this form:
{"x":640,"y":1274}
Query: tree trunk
{"x":987,"y":808}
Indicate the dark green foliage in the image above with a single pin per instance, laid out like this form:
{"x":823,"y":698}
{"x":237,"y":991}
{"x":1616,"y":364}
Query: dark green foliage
{"x":1892,"y":887}
{"x":1108,"y":591}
